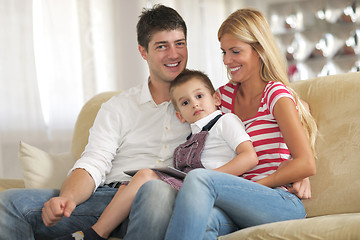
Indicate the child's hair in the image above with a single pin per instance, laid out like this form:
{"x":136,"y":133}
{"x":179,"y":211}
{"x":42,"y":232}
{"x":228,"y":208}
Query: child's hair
{"x":250,"y":26}
{"x":158,"y":18}
{"x":186,"y":76}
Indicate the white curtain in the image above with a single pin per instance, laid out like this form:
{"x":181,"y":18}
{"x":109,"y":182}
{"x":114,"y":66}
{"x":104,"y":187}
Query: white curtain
{"x":20,"y":104}
{"x":56,"y":54}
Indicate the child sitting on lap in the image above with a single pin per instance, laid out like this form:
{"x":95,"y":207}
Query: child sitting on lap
{"x":217,"y":142}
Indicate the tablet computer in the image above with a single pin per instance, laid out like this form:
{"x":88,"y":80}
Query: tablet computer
{"x":168,"y":170}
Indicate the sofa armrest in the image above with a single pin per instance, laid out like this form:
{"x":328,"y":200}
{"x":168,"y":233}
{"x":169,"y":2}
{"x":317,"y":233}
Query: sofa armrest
{"x":11,"y":183}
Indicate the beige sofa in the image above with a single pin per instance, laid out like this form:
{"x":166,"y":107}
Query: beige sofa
{"x":334,"y":210}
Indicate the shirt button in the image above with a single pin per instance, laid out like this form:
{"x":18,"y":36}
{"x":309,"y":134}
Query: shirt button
{"x":166,"y":128}
{"x":165,"y":146}
{"x":159,"y":161}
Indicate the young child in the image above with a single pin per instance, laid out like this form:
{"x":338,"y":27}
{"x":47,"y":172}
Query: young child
{"x":217,"y":142}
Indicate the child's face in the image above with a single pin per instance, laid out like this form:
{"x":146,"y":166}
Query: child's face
{"x":195,"y":101}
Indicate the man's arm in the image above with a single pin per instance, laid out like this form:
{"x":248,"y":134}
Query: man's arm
{"x":76,"y":189}
{"x":80,"y":184}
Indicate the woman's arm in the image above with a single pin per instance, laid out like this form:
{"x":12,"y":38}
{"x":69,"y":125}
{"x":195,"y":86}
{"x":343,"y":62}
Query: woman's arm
{"x":245,"y":160}
{"x":303,"y":163}
{"x":301,"y":188}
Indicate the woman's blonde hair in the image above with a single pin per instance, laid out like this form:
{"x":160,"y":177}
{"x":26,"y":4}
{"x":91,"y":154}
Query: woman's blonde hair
{"x":250,"y":26}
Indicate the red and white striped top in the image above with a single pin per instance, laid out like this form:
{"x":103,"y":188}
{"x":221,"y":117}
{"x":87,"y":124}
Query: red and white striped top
{"x":263,"y":129}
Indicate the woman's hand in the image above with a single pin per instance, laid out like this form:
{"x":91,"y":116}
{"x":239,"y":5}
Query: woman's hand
{"x":302,"y":189}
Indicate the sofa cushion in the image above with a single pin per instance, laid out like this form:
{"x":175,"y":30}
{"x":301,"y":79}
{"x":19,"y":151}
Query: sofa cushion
{"x":334,"y":103}
{"x":331,"y":227}
{"x":43,"y":170}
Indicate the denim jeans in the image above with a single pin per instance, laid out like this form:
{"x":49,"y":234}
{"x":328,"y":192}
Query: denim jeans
{"x":245,"y":202}
{"x":152,"y":210}
{"x":20,"y":214}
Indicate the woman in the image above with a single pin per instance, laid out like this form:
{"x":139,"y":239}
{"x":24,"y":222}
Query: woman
{"x":278,"y":124}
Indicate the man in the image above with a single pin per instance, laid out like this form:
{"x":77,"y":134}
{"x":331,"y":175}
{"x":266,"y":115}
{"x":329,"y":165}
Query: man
{"x":136,"y":129}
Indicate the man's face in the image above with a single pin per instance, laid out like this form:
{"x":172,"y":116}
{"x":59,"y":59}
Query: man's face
{"x":166,"y":55}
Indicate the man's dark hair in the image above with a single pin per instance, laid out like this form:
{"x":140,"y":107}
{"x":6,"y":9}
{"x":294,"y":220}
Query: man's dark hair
{"x":158,"y":18}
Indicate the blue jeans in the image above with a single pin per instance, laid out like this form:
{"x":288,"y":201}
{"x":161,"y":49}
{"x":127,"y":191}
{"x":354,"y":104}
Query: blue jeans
{"x":20,"y":214}
{"x":157,"y":199}
{"x":245,"y":202}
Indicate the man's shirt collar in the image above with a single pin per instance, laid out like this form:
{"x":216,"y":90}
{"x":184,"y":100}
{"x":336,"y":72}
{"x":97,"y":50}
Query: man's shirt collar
{"x":145,"y":95}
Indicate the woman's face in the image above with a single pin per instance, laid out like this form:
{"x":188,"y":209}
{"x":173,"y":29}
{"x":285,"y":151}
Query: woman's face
{"x":241,"y":59}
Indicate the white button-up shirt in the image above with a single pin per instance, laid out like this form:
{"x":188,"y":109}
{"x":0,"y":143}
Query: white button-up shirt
{"x":131,"y":132}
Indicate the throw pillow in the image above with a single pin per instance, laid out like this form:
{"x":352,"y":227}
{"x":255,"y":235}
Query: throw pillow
{"x":44,"y":170}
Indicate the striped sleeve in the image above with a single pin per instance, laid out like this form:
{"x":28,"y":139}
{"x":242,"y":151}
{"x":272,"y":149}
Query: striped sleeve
{"x":227,"y":93}
{"x":275,"y":91}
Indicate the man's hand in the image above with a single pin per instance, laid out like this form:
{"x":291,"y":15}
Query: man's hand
{"x":302,"y":189}
{"x":55,"y":209}
{"x":77,"y":188}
